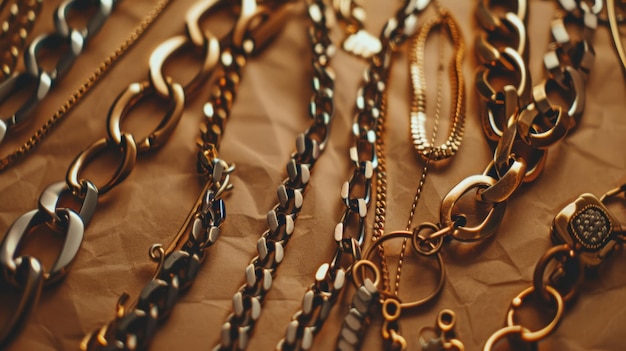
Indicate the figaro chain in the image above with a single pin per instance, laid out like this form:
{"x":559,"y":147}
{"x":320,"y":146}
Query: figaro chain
{"x":70,"y":41}
{"x":356,"y":193}
{"x":134,"y":327}
{"x":248,"y":300}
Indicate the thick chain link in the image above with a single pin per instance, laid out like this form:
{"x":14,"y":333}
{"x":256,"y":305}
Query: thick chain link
{"x":62,"y":112}
{"x":248,"y":300}
{"x":356,"y":193}
{"x":521,"y":120}
{"x":71,"y":42}
{"x":133,"y":328}
{"x":26,"y":272}
{"x":23,"y":15}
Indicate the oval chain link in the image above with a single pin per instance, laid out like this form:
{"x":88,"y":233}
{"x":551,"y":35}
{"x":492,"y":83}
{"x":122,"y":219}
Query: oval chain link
{"x":135,"y":326}
{"x":524,"y":127}
{"x":248,"y":300}
{"x":70,"y":42}
{"x":523,"y":121}
{"x":26,"y":272}
{"x":70,"y":221}
{"x":349,"y":234}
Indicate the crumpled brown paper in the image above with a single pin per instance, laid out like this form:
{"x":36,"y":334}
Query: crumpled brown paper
{"x":270,"y":110}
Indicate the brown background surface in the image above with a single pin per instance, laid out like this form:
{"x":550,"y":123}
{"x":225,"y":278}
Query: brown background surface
{"x":270,"y":111}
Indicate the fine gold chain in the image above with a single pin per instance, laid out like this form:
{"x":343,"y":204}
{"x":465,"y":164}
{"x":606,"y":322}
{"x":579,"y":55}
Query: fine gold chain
{"x":79,"y":93}
{"x":426,"y":150}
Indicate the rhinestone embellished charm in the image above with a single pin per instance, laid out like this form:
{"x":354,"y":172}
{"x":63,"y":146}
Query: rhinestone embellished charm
{"x":586,"y":225}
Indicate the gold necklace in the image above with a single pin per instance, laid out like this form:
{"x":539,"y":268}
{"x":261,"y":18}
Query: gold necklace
{"x":388,"y":298}
{"x":390,"y":302}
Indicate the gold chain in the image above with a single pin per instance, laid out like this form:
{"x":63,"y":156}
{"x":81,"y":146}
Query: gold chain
{"x":426,"y":150}
{"x":79,"y":93}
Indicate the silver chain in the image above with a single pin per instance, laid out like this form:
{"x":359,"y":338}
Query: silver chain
{"x":71,"y":41}
{"x":330,"y":277}
{"x":248,"y":300}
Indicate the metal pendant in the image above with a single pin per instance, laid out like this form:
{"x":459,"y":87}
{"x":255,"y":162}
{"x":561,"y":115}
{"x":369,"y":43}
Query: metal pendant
{"x":587,"y":226}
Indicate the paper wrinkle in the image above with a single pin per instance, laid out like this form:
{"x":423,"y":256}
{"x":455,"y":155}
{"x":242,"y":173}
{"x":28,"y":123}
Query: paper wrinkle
{"x":270,"y":111}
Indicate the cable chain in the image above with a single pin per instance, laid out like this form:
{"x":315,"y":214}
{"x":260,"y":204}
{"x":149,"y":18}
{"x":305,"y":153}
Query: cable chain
{"x":71,"y":42}
{"x":15,"y":30}
{"x":248,"y":300}
{"x":356,"y":193}
{"x":134,"y":328}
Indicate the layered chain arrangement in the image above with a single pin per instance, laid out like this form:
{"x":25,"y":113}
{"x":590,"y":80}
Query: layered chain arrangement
{"x":69,"y":41}
{"x":520,"y":121}
{"x":356,"y":193}
{"x":134,"y":327}
{"x":248,"y":300}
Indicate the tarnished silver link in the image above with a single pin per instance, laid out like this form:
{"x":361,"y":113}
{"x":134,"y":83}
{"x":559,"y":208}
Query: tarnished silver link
{"x":355,"y":322}
{"x":72,"y":40}
{"x":134,"y":327}
{"x":29,"y":273}
{"x":248,"y":300}
{"x":349,"y":233}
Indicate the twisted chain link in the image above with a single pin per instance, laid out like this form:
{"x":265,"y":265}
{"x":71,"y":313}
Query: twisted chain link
{"x":356,"y":192}
{"x":248,"y":300}
{"x":523,"y":121}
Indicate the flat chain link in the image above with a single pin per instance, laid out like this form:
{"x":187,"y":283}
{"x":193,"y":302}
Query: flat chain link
{"x":248,"y":300}
{"x":356,"y":193}
{"x":133,"y":328}
{"x":62,"y":112}
{"x":70,"y":42}
{"x":23,"y":15}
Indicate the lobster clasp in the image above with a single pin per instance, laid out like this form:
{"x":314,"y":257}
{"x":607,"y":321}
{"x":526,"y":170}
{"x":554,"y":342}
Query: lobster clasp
{"x":589,"y":227}
{"x":258,"y":24}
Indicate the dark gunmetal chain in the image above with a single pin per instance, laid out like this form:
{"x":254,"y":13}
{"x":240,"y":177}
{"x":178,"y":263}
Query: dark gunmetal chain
{"x":248,"y":300}
{"x":330,"y":277}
